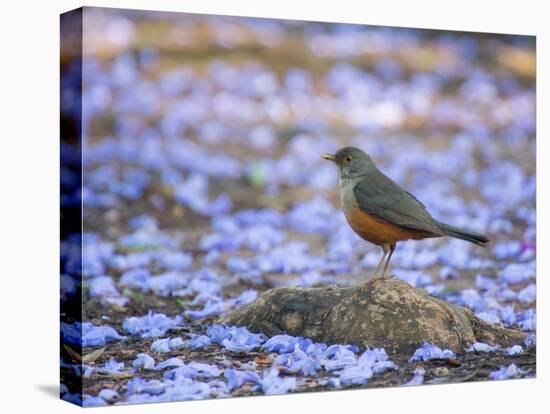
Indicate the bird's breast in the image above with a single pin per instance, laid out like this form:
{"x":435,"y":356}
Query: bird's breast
{"x":367,"y":226}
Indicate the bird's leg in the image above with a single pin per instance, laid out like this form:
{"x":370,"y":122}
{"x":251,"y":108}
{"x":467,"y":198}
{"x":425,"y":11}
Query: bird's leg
{"x":386,"y":249}
{"x":385,"y":273}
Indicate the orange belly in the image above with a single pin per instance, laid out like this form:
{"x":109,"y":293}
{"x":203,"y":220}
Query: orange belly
{"x":378,"y":232}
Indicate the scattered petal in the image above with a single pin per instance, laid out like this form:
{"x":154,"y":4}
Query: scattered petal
{"x":511,"y":371}
{"x":150,"y":325}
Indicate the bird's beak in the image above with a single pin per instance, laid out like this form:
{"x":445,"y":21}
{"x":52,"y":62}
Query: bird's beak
{"x":328,"y":157}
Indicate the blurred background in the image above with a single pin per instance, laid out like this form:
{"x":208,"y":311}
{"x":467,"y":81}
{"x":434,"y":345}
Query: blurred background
{"x":188,"y":116}
{"x":202,"y":175}
{"x":189,"y":119}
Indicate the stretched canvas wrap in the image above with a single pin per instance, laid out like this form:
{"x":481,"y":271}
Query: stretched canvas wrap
{"x":220,"y":238}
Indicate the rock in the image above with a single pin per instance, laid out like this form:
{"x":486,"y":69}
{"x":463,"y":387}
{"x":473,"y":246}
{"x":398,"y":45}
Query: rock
{"x":386,"y":313}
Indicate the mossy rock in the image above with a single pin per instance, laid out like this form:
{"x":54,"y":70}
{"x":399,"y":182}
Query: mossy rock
{"x":386,"y":313}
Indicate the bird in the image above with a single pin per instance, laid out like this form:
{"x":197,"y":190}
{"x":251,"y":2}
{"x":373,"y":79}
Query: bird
{"x":381,"y":212}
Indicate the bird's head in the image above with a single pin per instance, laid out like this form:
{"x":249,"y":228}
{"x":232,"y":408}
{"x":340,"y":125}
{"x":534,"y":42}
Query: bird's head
{"x":352,"y":162}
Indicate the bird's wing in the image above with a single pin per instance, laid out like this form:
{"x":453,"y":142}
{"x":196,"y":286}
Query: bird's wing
{"x":382,"y":198}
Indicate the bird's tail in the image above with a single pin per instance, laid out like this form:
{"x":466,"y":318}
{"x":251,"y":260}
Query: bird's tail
{"x":463,"y":234}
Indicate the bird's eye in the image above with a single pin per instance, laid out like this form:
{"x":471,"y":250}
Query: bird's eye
{"x":348,"y":158}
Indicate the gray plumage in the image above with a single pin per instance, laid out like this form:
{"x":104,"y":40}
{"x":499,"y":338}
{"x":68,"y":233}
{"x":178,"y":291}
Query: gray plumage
{"x":386,"y":201}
